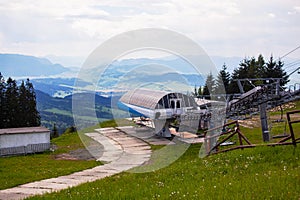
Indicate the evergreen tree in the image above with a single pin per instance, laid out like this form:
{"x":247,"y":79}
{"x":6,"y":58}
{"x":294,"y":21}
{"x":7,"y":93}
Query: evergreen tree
{"x":2,"y":101}
{"x":33,"y":115}
{"x":248,"y":69}
{"x":23,"y":116}
{"x":200,"y":92}
{"x":223,"y":80}
{"x":54,"y":133}
{"x":274,"y":69}
{"x":252,"y":68}
{"x":280,"y":73}
{"x":209,"y":86}
{"x":17,"y":104}
{"x":259,"y":70}
{"x":195,"y":91}
{"x":260,"y":65}
{"x":270,"y":67}
{"x":11,"y":104}
{"x":239,"y":73}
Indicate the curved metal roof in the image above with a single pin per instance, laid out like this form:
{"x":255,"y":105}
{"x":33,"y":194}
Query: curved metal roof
{"x":143,"y":97}
{"x":154,"y":99}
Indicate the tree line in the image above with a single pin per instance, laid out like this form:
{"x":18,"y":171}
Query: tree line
{"x":17,"y":104}
{"x":249,"y":68}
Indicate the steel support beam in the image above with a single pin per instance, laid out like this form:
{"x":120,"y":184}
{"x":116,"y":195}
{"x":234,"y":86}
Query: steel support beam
{"x":264,"y":122}
{"x":240,"y":86}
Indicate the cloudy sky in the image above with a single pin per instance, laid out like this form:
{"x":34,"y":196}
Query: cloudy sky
{"x":221,"y":27}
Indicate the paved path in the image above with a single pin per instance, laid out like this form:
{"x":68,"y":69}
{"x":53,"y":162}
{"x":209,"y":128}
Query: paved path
{"x":121,"y":152}
{"x":146,"y":134}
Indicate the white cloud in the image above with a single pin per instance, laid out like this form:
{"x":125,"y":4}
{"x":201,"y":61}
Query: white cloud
{"x":222,"y":27}
{"x":297,"y":8}
{"x":271,"y":15}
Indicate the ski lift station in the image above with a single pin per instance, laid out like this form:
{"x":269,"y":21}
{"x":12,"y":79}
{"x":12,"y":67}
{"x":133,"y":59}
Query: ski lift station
{"x":161,"y":106}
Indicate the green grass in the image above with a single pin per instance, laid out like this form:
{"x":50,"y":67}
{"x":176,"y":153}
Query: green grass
{"x":108,"y":123}
{"x":258,"y":173}
{"x":116,"y":122}
{"x":254,"y":135}
{"x":58,"y":111}
{"x":18,"y":170}
{"x":67,"y":142}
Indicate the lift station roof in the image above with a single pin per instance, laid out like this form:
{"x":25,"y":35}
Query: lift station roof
{"x":154,"y":99}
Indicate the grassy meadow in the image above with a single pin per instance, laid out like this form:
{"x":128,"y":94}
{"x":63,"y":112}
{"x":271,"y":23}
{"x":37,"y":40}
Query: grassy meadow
{"x":18,"y":170}
{"x":257,"y":173}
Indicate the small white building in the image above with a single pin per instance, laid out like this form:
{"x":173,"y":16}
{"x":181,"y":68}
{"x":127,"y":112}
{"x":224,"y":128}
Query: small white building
{"x":24,"y":140}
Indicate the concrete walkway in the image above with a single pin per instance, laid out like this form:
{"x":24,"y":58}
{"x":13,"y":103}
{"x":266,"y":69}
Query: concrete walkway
{"x":121,"y":152}
{"x":148,"y":135}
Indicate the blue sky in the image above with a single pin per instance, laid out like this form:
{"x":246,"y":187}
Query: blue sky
{"x":75,"y":28}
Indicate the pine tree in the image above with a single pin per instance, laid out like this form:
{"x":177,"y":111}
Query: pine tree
{"x":11,"y":104}
{"x":274,"y":69}
{"x":209,"y":86}
{"x":259,"y":70}
{"x":33,"y":115}
{"x":260,"y":65}
{"x":252,"y":68}
{"x":248,"y":69}
{"x":200,"y":92}
{"x":223,"y":80}
{"x":280,"y":73}
{"x":2,"y":102}
{"x":54,"y":133}
{"x":195,"y":91}
{"x":17,"y":104}
{"x":23,"y":116}
{"x":238,"y":73}
{"x":270,"y":67}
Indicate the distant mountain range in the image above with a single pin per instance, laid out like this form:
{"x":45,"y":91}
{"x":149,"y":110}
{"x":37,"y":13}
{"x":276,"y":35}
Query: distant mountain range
{"x":54,"y":95}
{"x":16,"y":65}
{"x":120,"y":75}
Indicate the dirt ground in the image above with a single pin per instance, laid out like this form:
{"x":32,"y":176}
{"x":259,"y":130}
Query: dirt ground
{"x":78,"y":154}
{"x":83,"y":153}
{"x":254,"y":121}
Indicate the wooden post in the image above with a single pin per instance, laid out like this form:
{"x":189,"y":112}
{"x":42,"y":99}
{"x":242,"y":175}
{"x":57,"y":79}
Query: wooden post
{"x":291,"y":127}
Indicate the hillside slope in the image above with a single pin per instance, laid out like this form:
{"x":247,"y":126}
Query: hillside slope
{"x":59,"y":110}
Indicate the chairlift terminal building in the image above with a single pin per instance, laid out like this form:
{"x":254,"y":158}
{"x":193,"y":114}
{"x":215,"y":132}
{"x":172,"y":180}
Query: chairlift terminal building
{"x":157,"y":104}
{"x":161,"y":106}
